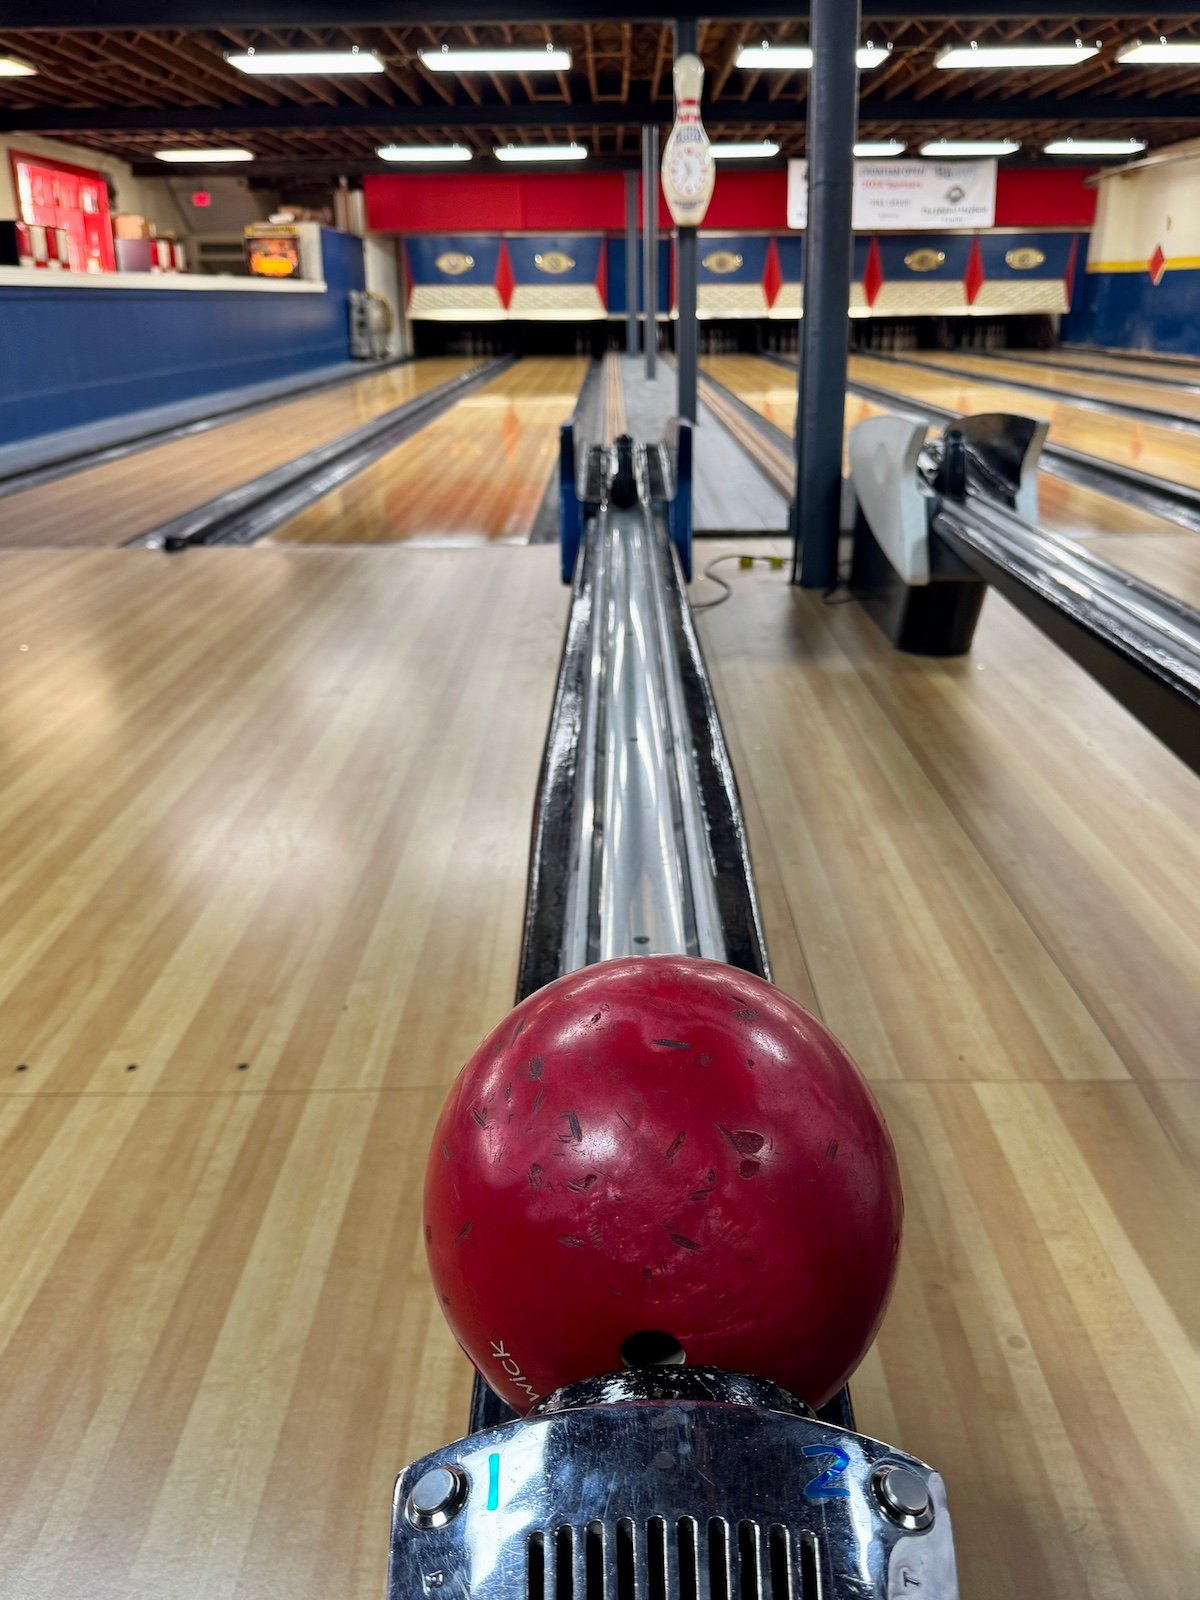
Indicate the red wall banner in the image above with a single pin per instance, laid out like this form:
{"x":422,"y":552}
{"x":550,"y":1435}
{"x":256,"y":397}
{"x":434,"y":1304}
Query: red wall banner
{"x":411,"y":202}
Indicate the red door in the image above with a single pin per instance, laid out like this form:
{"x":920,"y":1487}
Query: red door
{"x":74,"y":198}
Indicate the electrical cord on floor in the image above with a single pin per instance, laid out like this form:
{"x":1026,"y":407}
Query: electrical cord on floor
{"x":775,"y":562}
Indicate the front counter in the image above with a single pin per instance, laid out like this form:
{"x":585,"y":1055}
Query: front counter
{"x":78,"y":349}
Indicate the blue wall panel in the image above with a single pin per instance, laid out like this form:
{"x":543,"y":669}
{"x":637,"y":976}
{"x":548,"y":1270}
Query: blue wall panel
{"x":73,"y":355}
{"x":482,"y":250}
{"x":1126,"y":311}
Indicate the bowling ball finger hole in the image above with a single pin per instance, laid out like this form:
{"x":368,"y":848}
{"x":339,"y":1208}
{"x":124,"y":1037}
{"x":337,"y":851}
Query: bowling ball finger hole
{"x":652,"y":1348}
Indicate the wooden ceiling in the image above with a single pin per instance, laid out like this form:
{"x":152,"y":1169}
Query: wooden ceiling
{"x":125,"y":93}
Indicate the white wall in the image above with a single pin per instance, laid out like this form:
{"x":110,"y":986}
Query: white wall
{"x":1149,"y":206}
{"x":381,"y":260}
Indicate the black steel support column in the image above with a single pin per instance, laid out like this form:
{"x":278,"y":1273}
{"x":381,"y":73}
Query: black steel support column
{"x":650,"y":245}
{"x":632,"y":285}
{"x":828,"y":264}
{"x":686,"y":337}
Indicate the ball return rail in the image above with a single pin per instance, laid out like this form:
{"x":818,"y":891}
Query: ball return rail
{"x":661,"y":1481}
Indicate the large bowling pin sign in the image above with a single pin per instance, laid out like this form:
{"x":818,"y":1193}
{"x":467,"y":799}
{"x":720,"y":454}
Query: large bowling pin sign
{"x":688,"y":168}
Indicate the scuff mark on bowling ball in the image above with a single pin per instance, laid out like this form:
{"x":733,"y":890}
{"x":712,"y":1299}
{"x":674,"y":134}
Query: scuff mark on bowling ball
{"x":710,"y":1183}
{"x":573,"y":1123}
{"x":597,"y":1017}
{"x":445,"y":1150}
{"x":676,"y":1145}
{"x":743,"y":1141}
{"x":673,"y":1044}
{"x":748,"y":1014}
{"x":571,"y":1242}
{"x":535,"y":1067}
{"x":539,"y":1100}
{"x":748,"y":1168}
{"x":461,"y":1236}
{"x":478,"y":1116}
{"x":582,"y":1185}
{"x":507,"y":1092}
{"x":681,"y":1240}
{"x":518,"y":1031}
{"x":705,"y":1059}
{"x":535,"y":1176}
{"x":831,"y":1149}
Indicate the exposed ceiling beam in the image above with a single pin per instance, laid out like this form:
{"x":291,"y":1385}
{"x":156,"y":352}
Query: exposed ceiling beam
{"x":61,"y":16}
{"x":607,"y":114}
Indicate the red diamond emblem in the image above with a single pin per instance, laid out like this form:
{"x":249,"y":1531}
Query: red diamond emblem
{"x":772,"y":275}
{"x":1157,"y":264}
{"x":504,"y":276}
{"x":973,"y":279}
{"x":873,"y":273}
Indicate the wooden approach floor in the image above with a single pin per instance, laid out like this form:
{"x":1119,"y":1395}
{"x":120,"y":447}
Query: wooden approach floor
{"x":264,"y":824}
{"x":113,"y":503}
{"x":475,"y":475}
{"x":1161,"y":552}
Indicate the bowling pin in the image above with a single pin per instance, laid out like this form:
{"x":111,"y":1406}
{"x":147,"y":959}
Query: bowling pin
{"x":688,"y":169}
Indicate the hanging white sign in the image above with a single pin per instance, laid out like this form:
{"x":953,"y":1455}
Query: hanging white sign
{"x":924,"y":194}
{"x":908,"y":195}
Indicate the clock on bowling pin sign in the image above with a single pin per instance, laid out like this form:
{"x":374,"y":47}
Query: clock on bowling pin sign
{"x":688,"y":169}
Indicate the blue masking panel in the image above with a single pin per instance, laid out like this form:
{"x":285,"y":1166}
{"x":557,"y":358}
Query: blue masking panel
{"x":467,"y":258}
{"x":752,"y":248}
{"x":583,"y":250}
{"x":995,"y":248}
{"x":893,"y":247}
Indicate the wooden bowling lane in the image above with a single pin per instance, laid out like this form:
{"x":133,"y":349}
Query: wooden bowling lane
{"x":113,"y":503}
{"x":1064,"y":507}
{"x":1163,"y":452}
{"x":1107,"y":386}
{"x":265,"y":825}
{"x":476,"y":474}
{"x":985,"y":877}
{"x":1172,"y":369}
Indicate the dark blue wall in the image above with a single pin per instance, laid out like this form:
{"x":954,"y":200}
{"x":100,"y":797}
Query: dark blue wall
{"x":1126,"y":311}
{"x":72,"y":355}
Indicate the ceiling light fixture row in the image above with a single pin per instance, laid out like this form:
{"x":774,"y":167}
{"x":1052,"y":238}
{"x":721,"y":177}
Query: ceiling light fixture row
{"x":979,"y":57}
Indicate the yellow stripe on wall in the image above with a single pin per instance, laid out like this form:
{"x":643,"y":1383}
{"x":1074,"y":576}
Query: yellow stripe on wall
{"x":1175,"y":264}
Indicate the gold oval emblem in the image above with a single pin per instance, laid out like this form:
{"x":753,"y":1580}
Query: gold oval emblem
{"x":555,"y":262}
{"x":924,"y":260}
{"x":721,"y":261}
{"x":454,"y":263}
{"x":1024,"y":259}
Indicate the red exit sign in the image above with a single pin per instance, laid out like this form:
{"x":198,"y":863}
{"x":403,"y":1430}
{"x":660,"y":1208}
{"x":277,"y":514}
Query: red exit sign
{"x":201,"y":198}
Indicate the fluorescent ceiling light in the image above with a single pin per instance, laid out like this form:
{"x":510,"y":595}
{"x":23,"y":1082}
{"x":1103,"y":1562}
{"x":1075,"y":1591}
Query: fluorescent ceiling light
{"x":970,"y":147}
{"x":233,"y":153}
{"x":1095,"y":147}
{"x":987,"y":57}
{"x":541,"y":152}
{"x":743,"y":152}
{"x":1163,"y":53}
{"x":550,"y":59}
{"x":303,"y":63}
{"x":14,"y":67}
{"x":882,"y":147}
{"x":799,"y":57}
{"x":423,"y":152}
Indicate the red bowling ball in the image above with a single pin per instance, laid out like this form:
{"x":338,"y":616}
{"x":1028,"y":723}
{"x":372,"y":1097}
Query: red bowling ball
{"x":661,"y":1145}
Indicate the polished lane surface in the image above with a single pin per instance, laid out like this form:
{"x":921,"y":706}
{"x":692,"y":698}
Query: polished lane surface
{"x":1173,"y":369}
{"x":1107,"y":387}
{"x":118,"y":500}
{"x":1064,"y":507}
{"x":476,"y":474}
